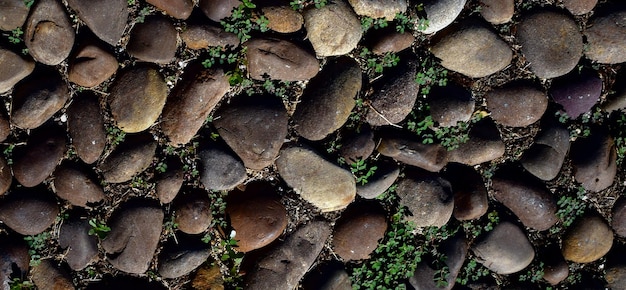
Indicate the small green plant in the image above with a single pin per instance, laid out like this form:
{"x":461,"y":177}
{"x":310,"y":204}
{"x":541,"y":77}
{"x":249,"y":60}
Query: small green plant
{"x":16,"y":35}
{"x":161,"y":167}
{"x":299,"y":5}
{"x":8,"y":153}
{"x":142,"y":14}
{"x":378,"y":63}
{"x":19,"y":284}
{"x":243,"y":21}
{"x":36,"y":244}
{"x":618,"y":130}
{"x":170,"y":225}
{"x":220,"y":55}
{"x":98,"y":228}
{"x":569,"y":208}
{"x":471,"y":272}
{"x":475,"y":228}
{"x":361,"y":171}
{"x":115,"y":135}
{"x":534,"y":274}
{"x":368,"y":22}
{"x":431,"y":76}
{"x":29,"y":3}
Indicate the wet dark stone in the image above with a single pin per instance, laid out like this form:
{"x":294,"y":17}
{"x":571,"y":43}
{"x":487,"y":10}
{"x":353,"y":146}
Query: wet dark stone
{"x":38,"y":159}
{"x":81,"y":247}
{"x":29,"y":212}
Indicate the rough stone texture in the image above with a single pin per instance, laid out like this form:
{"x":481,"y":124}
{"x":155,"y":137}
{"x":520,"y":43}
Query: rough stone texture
{"x":14,"y":260}
{"x":13,"y":14}
{"x":285,"y":265}
{"x":283,"y":19}
{"x":13,"y":68}
{"x":91,"y":65}
{"x":450,"y":104}
{"x":105,"y":18}
{"x":37,"y":98}
{"x":130,"y":158}
{"x":137,"y":98}
{"x":455,"y":250}
{"x":484,"y":144}
{"x":385,"y":175}
{"x":254,"y":127}
{"x":197,"y":37}
{"x":81,"y":247}
{"x":379,"y":9}
{"x":181,"y":257}
{"x":516,"y":105}
{"x":394,"y":98}
{"x":588,"y":240}
{"x":29,"y":212}
{"x":618,"y":222}
{"x":86,"y":127}
{"x":169,"y":183}
{"x":154,"y":40}
{"x":606,"y":38}
{"x":280,"y":60}
{"x":470,"y":195}
{"x":616,"y":277}
{"x":555,"y":268}
{"x":208,"y":277}
{"x":505,"y":249}
{"x":558,"y":50}
{"x":180,"y":9}
{"x":220,"y":169}
{"x":5,"y":126}
{"x":615,"y":102}
{"x":545,"y":157}
{"x":358,"y":231}
{"x":191,"y":102}
{"x":392,"y":41}
{"x":580,"y":7}
{"x":49,"y":35}
{"x":47,"y":276}
{"x":333,"y":29}
{"x":193,"y":212}
{"x":431,"y":157}
{"x":73,"y":183}
{"x":594,"y":160}
{"x":327,"y":276}
{"x":135,"y":229}
{"x":442,"y":13}
{"x":577,"y":93}
{"x":428,"y":198}
{"x":497,"y":11}
{"x":6,"y":177}
{"x":328,"y":99}
{"x":358,"y":145}
{"x":474,"y":50}
{"x":316,"y":180}
{"x":217,"y":10}
{"x":40,"y":157}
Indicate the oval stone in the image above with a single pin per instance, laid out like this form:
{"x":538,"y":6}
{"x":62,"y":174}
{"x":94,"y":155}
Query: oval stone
{"x":38,"y":98}
{"x":193,"y":212}
{"x":606,"y":38}
{"x":339,"y":18}
{"x":49,"y":35}
{"x":91,"y":65}
{"x":73,"y":184}
{"x":40,"y":157}
{"x":13,"y":68}
{"x":505,"y":250}
{"x":280,"y":60}
{"x":153,"y":40}
{"x":516,"y":105}
{"x":85,"y":124}
{"x":588,"y":240}
{"x":130,"y":158}
{"x":29,"y":212}
{"x":358,"y":231}
{"x":428,"y":198}
{"x":81,"y":247}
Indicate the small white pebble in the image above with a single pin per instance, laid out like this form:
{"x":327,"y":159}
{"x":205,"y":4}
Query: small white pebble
{"x":64,"y":118}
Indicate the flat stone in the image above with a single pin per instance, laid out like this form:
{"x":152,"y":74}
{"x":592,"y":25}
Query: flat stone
{"x":327,"y":276}
{"x":358,"y":231}
{"x":615,"y":102}
{"x":135,"y":229}
{"x":455,"y":251}
{"x":504,"y":250}
{"x":428,"y":198}
{"x":198,"y":37}
{"x":550,"y":52}
{"x":516,"y":105}
{"x":383,"y":178}
{"x":594,"y":160}
{"x":6,"y":176}
{"x":191,"y":102}
{"x":431,"y":157}
{"x":86,"y":127}
{"x":338,"y":18}
{"x":208,"y":277}
{"x":470,"y":194}
{"x":75,"y":185}
{"x":137,"y":98}
{"x":13,"y":14}
{"x":580,"y":7}
{"x":257,"y":216}
{"x":588,"y":240}
{"x":318,"y":181}
{"x":450,"y":104}
{"x":358,"y":145}
{"x":254,"y":127}
{"x":181,"y":258}
{"x":606,"y":38}
{"x":392,"y":41}
{"x":217,"y":10}
{"x":284,"y":266}
{"x":130,"y":158}
{"x":13,"y":68}
{"x":29,"y":212}
{"x":484,"y":144}
{"x":442,"y":13}
{"x":472,"y":49}
{"x":180,"y":9}
{"x":618,"y":222}
{"x":169,"y":183}
{"x":38,"y":98}
{"x":40,"y":157}
{"x":220,"y":169}
{"x":546,"y":156}
{"x":616,"y":277}
{"x":81,"y":247}
{"x":47,"y":276}
{"x":395,"y":96}
{"x":497,"y":11}
{"x":105,"y":18}
{"x":193,"y":212}
{"x":14,"y":260}
{"x":49,"y":35}
{"x":379,"y":9}
{"x":577,"y":93}
{"x":283,"y":19}
{"x":91,"y":65}
{"x":154,"y":40}
{"x":328,"y":99}
{"x":279,"y":60}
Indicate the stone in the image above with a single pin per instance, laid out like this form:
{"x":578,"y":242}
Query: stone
{"x":379,"y":9}
{"x":546,"y":156}
{"x":254,"y":127}
{"x":594,"y":160}
{"x":580,"y":7}
{"x":431,"y":157}
{"x":328,"y":99}
{"x":208,"y":277}
{"x":335,"y":17}
{"x":135,"y":229}
{"x":75,"y":185}
{"x":182,"y":257}
{"x":81,"y":247}
{"x":578,"y":93}
{"x":484,"y":144}
{"x":455,"y":251}
{"x":85,"y":124}
{"x":40,"y":157}
{"x":615,"y":102}
{"x":137,"y":98}
{"x":472,"y":49}
{"x":618,"y":222}
{"x":392,"y":42}
{"x":327,"y":276}
{"x":6,"y":177}
{"x":47,"y":276}
{"x":13,"y":14}
{"x":121,"y":281}
{"x":198,"y":37}
{"x":37,"y":98}
{"x":383,"y":178}
{"x":550,"y":52}
{"x":217,"y":10}
{"x":169,"y":183}
{"x":279,"y":60}
{"x":428,"y":198}
{"x":191,"y":102}
{"x":516,"y":105}
{"x":13,"y":68}
{"x":470,"y":194}
{"x":441,"y":13}
{"x":394,"y":96}
{"x":526,"y":197}
{"x":49,"y":35}
{"x":29,"y":212}
{"x":91,"y":65}
{"x":497,"y":11}
{"x":358,"y":231}
{"x":105,"y":18}
{"x":285,"y":265}
{"x":5,"y":126}
{"x":220,"y":169}
{"x":283,"y":19}
{"x":358,"y":145}
{"x":504,"y":250}
{"x":14,"y":260}
{"x":318,"y":181}
{"x":606,"y":38}
{"x":555,"y":268}
{"x":179,"y":9}
{"x":154,"y":40}
{"x":257,"y":216}
{"x":450,"y":104}
{"x":588,"y":240}
{"x":130,"y":158}
{"x":193,"y":212}
{"x":616,"y":277}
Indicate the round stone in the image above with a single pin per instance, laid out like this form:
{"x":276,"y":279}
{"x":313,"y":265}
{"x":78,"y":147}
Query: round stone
{"x":333,"y":29}
{"x":505,"y":250}
{"x":220,"y":169}
{"x":91,"y":65}
{"x":105,"y":18}
{"x":217,"y":10}
{"x":516,"y":105}
{"x":13,"y":14}
{"x":358,"y":231}
{"x":130,"y":158}
{"x":283,"y":19}
{"x":40,"y":157}
{"x":49,"y":35}
{"x":442,"y":13}
{"x":497,"y":11}
{"x":577,"y":93}
{"x":193,"y":212}
{"x":594,"y":160}
{"x":74,"y":184}
{"x":153,"y":40}
{"x":280,"y":60}
{"x":580,"y":7}
{"x":29,"y":212}
{"x":428,"y":198}
{"x":13,"y":68}
{"x":588,"y":240}
{"x":606,"y":38}
{"x":450,"y":104}
{"x":358,"y":145}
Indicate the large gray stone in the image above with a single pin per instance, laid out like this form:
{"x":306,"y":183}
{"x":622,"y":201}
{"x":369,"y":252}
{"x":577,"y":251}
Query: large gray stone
{"x":441,"y":13}
{"x":333,"y":29}
{"x":505,"y":250}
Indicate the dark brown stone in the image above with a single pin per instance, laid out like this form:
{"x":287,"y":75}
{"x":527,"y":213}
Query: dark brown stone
{"x":81,"y":247}
{"x":130,"y":158}
{"x":153,"y":40}
{"x":49,"y":34}
{"x":198,"y":37}
{"x":106,"y":18}
{"x":47,"y":276}
{"x":394,"y":100}
{"x":13,"y":14}
{"x":13,"y":68}
{"x":588,"y":240}
{"x":358,"y":231}
{"x":91,"y":65}
{"x":280,"y":60}
{"x":193,"y":212}
{"x":428,"y":198}
{"x":74,"y":184}
{"x":29,"y":212}
{"x":37,"y":98}
{"x":86,"y":127}
{"x":180,"y":9}
{"x":217,"y":10}
{"x":505,"y":249}
{"x":516,"y":105}
{"x":431,"y":157}
{"x":40,"y":157}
